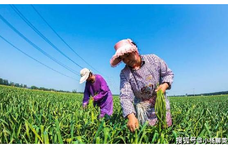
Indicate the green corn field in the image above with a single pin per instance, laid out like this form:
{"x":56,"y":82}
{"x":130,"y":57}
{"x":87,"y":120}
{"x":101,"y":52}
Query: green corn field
{"x":40,"y":117}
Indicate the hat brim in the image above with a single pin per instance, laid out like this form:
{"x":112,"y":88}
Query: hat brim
{"x":84,"y":78}
{"x":115,"y":60}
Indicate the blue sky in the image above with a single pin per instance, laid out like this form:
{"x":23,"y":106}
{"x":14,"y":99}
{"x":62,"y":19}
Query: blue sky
{"x":192,"y":39}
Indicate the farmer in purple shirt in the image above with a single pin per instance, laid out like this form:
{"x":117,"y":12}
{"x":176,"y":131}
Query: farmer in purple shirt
{"x":97,"y":87}
{"x":138,"y":83}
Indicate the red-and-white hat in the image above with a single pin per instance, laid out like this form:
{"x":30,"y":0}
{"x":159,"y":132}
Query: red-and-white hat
{"x":122,"y":47}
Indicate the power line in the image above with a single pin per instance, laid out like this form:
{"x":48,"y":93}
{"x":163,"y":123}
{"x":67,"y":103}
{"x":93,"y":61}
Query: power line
{"x":35,"y":46}
{"x":42,"y":36}
{"x":35,"y":59}
{"x":66,"y":42}
{"x":63,"y":39}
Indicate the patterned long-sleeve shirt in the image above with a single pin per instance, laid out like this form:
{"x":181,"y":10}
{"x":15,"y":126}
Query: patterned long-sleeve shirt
{"x":138,"y":86}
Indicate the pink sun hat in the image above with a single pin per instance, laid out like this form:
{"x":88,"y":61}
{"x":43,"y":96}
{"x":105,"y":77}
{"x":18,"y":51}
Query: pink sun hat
{"x":122,"y":47}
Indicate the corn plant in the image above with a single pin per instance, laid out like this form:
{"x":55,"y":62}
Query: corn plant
{"x":40,"y":117}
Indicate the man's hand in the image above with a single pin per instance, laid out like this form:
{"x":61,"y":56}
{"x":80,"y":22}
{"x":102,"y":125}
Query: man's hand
{"x":163,"y":87}
{"x":132,"y":122}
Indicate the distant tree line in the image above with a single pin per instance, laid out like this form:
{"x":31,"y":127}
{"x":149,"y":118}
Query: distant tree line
{"x":209,"y":94}
{"x":203,"y":94}
{"x":6,"y":82}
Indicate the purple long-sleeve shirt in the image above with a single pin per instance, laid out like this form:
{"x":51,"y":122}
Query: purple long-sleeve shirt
{"x":101,"y":94}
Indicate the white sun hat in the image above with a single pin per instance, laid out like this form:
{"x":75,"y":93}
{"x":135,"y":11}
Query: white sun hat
{"x":84,"y":74}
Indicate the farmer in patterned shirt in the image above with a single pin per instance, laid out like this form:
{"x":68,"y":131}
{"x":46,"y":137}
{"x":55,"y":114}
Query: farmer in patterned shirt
{"x":138,"y":83}
{"x":97,"y":87}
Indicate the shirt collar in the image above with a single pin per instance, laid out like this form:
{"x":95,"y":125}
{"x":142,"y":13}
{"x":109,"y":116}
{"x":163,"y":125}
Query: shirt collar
{"x":143,"y":61}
